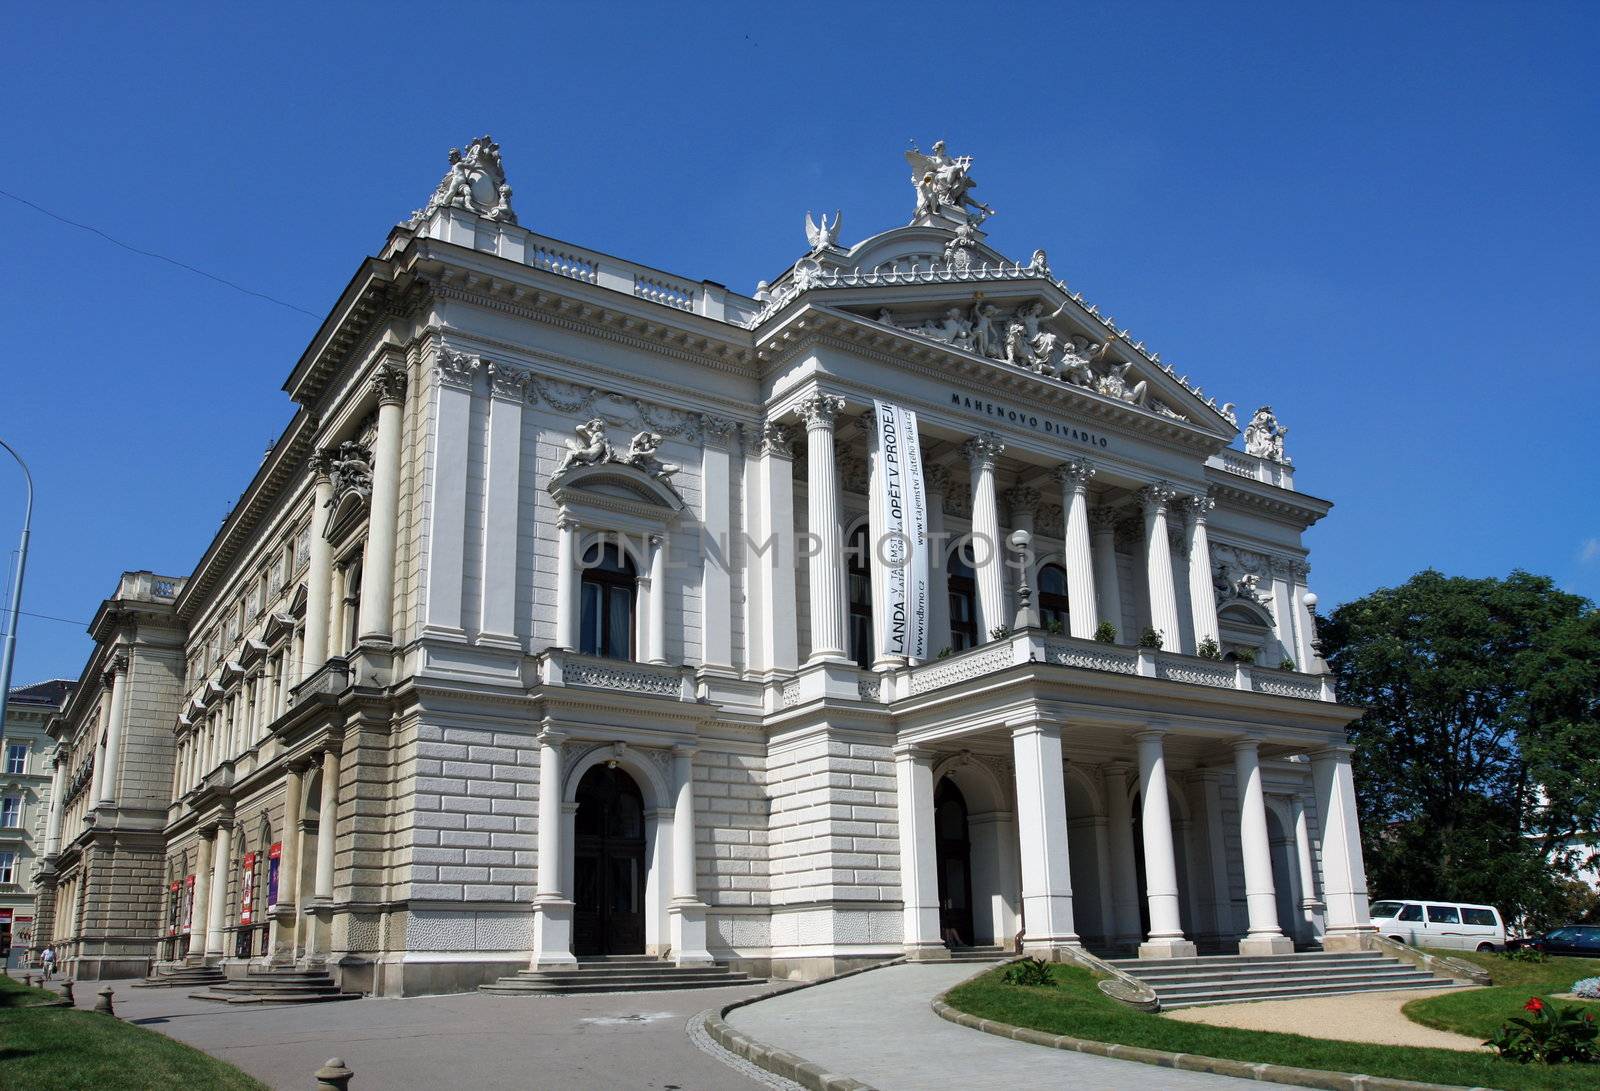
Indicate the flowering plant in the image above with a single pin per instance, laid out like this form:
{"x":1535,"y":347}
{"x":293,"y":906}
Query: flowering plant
{"x":1550,"y":1035}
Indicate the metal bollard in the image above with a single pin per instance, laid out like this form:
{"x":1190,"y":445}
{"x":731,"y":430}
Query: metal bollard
{"x":66,"y":990}
{"x":333,"y":1076}
{"x":103,"y":1005}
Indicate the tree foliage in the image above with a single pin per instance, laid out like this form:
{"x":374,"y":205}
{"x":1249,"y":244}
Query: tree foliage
{"x":1479,"y":753}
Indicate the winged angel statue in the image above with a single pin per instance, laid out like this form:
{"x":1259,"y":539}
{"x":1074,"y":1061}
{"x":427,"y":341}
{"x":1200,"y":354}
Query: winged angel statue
{"x":943,"y":183}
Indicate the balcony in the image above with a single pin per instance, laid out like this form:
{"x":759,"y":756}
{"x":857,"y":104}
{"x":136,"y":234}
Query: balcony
{"x":564,"y":668}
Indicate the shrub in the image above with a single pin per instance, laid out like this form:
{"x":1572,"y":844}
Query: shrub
{"x":1106,"y":633}
{"x":945,"y":652}
{"x":1208,"y":649}
{"x":1245,"y":655}
{"x":1151,"y":638}
{"x":1549,"y":1035}
{"x":1288,"y":665}
{"x":1525,"y":954}
{"x":1053,"y":626}
{"x":999,"y":632}
{"x":1588,"y":988}
{"x":1028,"y":971}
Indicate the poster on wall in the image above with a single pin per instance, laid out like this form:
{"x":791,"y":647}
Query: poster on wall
{"x":188,"y":904}
{"x":247,"y":890}
{"x":899,"y":538}
{"x":174,"y":901}
{"x":274,"y":854}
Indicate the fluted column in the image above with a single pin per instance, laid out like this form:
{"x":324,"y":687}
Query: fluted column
{"x":319,"y":572}
{"x":114,"y":731}
{"x":1283,"y":611}
{"x":829,"y":637}
{"x":1042,"y":837}
{"x":1255,"y":846}
{"x":770,"y":621}
{"x":1310,"y":904}
{"x":1119,"y":839}
{"x":1107,"y":583}
{"x":376,"y":617}
{"x":988,"y":550}
{"x":1305,"y":626}
{"x":552,"y":921}
{"x":101,"y":731}
{"x":1166,"y":939}
{"x":200,"y":911}
{"x":658,"y":598}
{"x":1344,"y":874}
{"x":919,"y":860}
{"x":686,"y":915}
{"x":217,"y":906}
{"x":936,"y":479}
{"x":569,"y":578}
{"x":327,"y":821}
{"x":1157,"y":500}
{"x":1202,"y":592}
{"x":286,"y":911}
{"x":58,"y":782}
{"x":1083,"y":611}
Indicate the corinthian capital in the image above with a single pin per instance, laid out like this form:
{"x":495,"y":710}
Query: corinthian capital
{"x":390,"y":383}
{"x":820,"y":410}
{"x":319,"y":463}
{"x":1022,"y":500}
{"x":1076,"y":473}
{"x":1158,"y":496}
{"x":983,"y":450}
{"x":936,"y":477}
{"x":1198,"y":506}
{"x":506,"y":381}
{"x":774,"y":440}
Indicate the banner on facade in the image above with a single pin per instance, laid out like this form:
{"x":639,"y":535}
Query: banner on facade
{"x":899,"y":538}
{"x":188,"y":907}
{"x":274,"y":854}
{"x":247,"y":889}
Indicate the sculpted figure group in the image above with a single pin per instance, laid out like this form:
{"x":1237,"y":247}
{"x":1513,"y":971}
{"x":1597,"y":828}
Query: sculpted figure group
{"x":1263,"y":436}
{"x":591,"y":448}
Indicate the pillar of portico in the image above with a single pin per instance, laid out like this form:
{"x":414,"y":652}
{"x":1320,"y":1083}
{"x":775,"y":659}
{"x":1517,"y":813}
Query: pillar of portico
{"x":1157,"y":500}
{"x":1255,"y":846}
{"x":102,"y":724}
{"x":286,"y":912}
{"x":569,"y":579}
{"x":1107,"y":583}
{"x":1202,"y":592}
{"x":1166,"y":938}
{"x":1125,"y":931}
{"x":552,"y":909}
{"x":657,"y":606}
{"x":1310,"y":906}
{"x":829,"y":637}
{"x":375,"y":619}
{"x":770,"y":502}
{"x":919,"y":862}
{"x":217,"y":904}
{"x":716,"y":578}
{"x":115,"y":722}
{"x":686,"y":915}
{"x":319,"y":572}
{"x":1042,"y":836}
{"x":327,"y":820}
{"x":200,"y":911}
{"x":936,"y":479}
{"x":988,"y":550}
{"x":58,"y":791}
{"x":1083,"y":611}
{"x":1344,"y":874}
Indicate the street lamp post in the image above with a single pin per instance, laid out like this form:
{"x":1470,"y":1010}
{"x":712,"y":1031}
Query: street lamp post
{"x":8,"y":650}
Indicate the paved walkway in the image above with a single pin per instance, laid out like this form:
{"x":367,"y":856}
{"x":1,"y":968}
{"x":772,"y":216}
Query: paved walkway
{"x":878,"y":1028}
{"x":1360,"y":1017}
{"x":631,"y":1041}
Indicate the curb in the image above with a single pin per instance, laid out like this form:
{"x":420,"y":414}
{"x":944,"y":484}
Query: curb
{"x":1189,"y":1062}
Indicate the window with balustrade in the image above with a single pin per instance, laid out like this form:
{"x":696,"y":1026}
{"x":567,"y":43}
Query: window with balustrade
{"x":1053,"y":598}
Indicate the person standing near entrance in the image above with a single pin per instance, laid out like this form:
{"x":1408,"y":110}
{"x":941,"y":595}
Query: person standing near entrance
{"x":48,"y":957}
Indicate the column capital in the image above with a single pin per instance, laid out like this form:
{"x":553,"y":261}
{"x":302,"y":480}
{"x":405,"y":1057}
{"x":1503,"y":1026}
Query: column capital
{"x":1158,"y":496}
{"x":320,"y":463}
{"x":549,"y":736}
{"x":1075,"y":474}
{"x":506,"y":381}
{"x":1333,"y":751}
{"x":389,"y":382}
{"x":774,"y":439}
{"x":1033,"y":727}
{"x":117,"y":665}
{"x":685,"y":750}
{"x":1197,"y":506}
{"x":1244,"y":743}
{"x":1104,"y":519}
{"x":1022,"y":500}
{"x":716,"y":431}
{"x":983,"y":450}
{"x":936,"y":477}
{"x":820,"y":410}
{"x":911,"y":752}
{"x":1152,"y":734}
{"x":568,"y":522}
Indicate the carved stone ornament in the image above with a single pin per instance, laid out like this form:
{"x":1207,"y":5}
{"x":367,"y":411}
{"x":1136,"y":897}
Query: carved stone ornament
{"x":1263,"y":436}
{"x":591,"y":448}
{"x":1237,"y":575}
{"x":821,"y":410}
{"x":774,"y":439}
{"x":456,"y":369}
{"x":1075,"y":473}
{"x":984,"y":448}
{"x":351,"y":469}
{"x":1022,"y":500}
{"x":390,"y":383}
{"x":476,"y":182}
{"x":944,"y":186}
{"x":1158,"y":495}
{"x":506,"y":381}
{"x":824,"y":235}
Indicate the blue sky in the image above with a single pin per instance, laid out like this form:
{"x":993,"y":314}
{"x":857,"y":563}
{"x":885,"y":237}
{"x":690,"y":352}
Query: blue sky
{"x":1379,"y":218}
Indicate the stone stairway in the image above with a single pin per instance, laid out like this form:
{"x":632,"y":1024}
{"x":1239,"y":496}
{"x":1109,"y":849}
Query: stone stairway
{"x":180,"y":976}
{"x":618,"y":973}
{"x":280,"y":986}
{"x":1232,"y":979}
{"x":980,"y":954}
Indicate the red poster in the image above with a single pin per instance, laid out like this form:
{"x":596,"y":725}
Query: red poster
{"x":247,"y":894}
{"x":273,"y":855}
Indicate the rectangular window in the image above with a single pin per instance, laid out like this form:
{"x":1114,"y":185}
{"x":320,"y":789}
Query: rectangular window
{"x":1483,"y":918}
{"x":1411,"y":913}
{"x":1443,"y":914}
{"x":17,"y":757}
{"x":8,"y":867}
{"x":11,"y":811}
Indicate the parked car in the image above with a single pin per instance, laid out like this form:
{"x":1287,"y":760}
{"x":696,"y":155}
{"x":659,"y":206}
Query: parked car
{"x":1574,"y":939}
{"x":1441,"y":924}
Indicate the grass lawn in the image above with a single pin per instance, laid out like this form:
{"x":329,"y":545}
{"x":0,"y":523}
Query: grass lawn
{"x":1479,"y":1012}
{"x":1075,"y":1006}
{"x":60,"y":1049}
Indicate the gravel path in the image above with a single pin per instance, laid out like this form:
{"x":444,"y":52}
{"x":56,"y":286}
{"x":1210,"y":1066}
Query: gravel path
{"x":1359,"y":1017}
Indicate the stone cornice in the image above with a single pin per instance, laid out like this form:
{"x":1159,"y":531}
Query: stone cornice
{"x":1229,"y":490}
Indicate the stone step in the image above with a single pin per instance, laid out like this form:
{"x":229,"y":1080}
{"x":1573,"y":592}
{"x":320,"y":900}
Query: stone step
{"x":514,"y":986}
{"x":278,"y":987}
{"x":1209,"y":961}
{"x":188,"y":977}
{"x":1320,"y":990}
{"x":1213,"y":985}
{"x":263,"y":998}
{"x":601,"y":973}
{"x":1222,"y":973}
{"x":625,"y":973}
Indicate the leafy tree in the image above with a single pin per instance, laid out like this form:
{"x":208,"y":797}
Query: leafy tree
{"x":1479,"y":752}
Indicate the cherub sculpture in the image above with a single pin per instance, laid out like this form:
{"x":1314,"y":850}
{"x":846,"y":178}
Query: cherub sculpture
{"x":589,"y":449}
{"x":351,"y":470}
{"x":642,"y":455}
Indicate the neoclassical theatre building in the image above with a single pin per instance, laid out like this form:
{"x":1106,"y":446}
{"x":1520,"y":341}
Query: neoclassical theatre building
{"x":908,"y":604}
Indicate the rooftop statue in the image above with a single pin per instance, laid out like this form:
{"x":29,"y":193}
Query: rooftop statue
{"x":476,"y":181}
{"x":823,"y":235}
{"x":943,"y":184}
{"x":1263,"y":436}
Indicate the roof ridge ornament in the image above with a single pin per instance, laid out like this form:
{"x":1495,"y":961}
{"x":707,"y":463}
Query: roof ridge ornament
{"x":944,"y":187}
{"x":476,"y":182}
{"x":825,"y":235}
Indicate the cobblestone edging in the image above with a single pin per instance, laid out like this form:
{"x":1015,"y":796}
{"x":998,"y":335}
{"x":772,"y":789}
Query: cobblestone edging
{"x":1189,"y":1062}
{"x":791,"y":1066}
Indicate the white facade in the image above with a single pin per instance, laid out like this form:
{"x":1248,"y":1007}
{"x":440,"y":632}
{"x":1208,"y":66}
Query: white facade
{"x":540,"y":632}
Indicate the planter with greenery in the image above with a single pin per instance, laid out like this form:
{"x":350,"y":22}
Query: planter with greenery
{"x":1106,"y":633}
{"x":1208,"y":649}
{"x":1151,"y":638}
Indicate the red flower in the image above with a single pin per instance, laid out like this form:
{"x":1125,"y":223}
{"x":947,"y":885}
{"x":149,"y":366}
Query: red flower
{"x":1534,"y":1005}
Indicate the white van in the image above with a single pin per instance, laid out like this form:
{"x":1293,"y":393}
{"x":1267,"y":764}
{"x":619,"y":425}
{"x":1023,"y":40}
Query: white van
{"x":1441,"y":924}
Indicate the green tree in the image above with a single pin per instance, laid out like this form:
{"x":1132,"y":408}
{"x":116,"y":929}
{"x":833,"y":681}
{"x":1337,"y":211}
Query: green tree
{"x":1479,"y":752}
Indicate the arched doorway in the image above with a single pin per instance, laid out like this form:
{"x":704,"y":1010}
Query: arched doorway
{"x":608,"y":874}
{"x":954,"y":851}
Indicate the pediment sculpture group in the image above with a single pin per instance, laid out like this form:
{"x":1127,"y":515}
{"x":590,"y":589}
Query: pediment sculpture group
{"x":591,"y":448}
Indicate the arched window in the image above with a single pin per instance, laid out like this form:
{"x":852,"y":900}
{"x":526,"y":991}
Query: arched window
{"x":1053,"y":598}
{"x":963,"y":602}
{"x":350,"y":605}
{"x":859,"y":571}
{"x":609,"y":581}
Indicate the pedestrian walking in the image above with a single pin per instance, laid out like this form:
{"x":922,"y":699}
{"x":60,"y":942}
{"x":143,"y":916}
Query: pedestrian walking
{"x":48,"y":957}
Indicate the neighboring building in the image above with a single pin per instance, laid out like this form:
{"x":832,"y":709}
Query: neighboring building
{"x":542,"y":632}
{"x":26,"y":753}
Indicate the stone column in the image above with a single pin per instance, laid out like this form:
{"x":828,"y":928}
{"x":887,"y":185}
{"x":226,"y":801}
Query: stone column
{"x":1042,"y":834}
{"x":771,"y":618}
{"x":1255,"y":846}
{"x":287,"y":909}
{"x":1102,"y":880}
{"x":376,"y":617}
{"x":1022,"y":505}
{"x":686,"y":914}
{"x":988,"y":550}
{"x":327,"y":821}
{"x":716,"y":580}
{"x":502,"y":507}
{"x":58,"y":781}
{"x":658,"y":598}
{"x":569,"y":580}
{"x":936,"y":479}
{"x":1166,"y":939}
{"x":1202,"y":592}
{"x":457,"y":377}
{"x":115,"y":728}
{"x":1083,"y":613}
{"x":1344,"y":875}
{"x":1107,"y":584}
{"x":1310,"y":905}
{"x":1283,"y":611}
{"x":919,"y":863}
{"x":200,"y":911}
{"x":319,"y":572}
{"x":1119,"y":837}
{"x":1157,"y":499}
{"x":102,"y":726}
{"x":552,"y":921}
{"x":829,"y":637}
{"x":217,"y":905}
